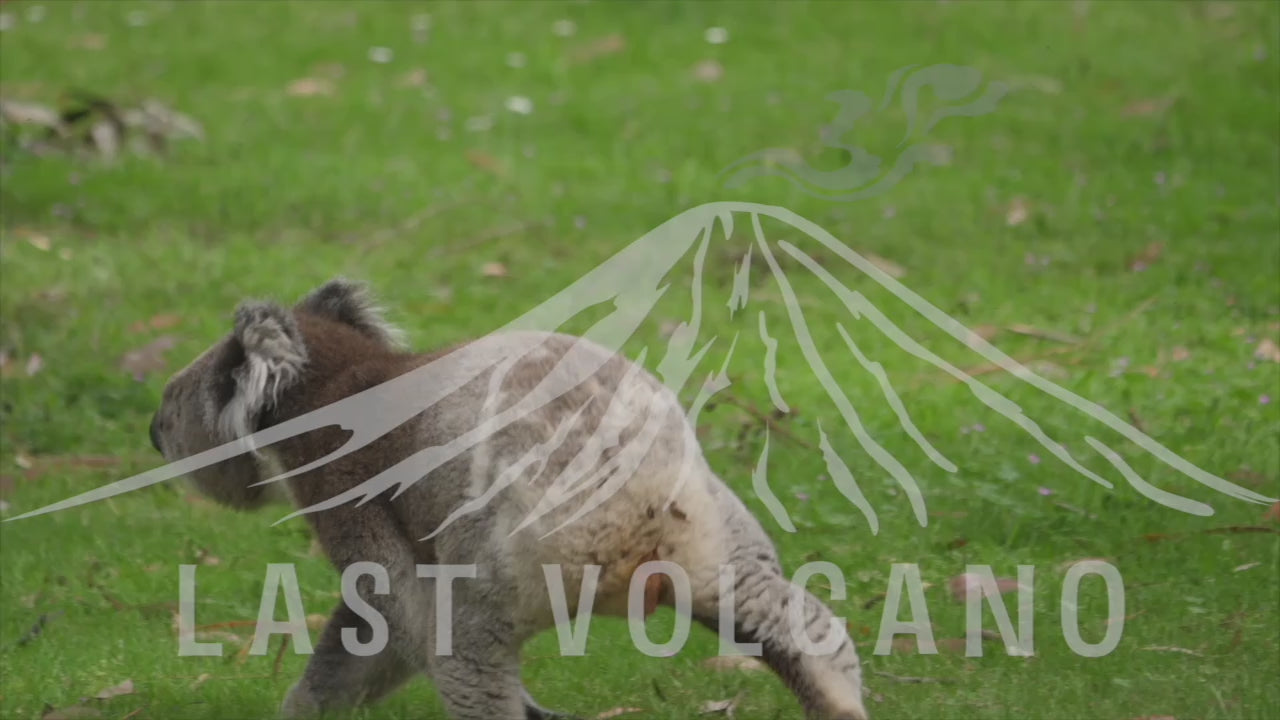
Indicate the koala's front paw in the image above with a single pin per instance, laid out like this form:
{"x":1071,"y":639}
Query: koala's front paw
{"x":299,"y":703}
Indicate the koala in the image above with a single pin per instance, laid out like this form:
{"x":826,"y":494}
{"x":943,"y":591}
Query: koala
{"x":498,"y":502}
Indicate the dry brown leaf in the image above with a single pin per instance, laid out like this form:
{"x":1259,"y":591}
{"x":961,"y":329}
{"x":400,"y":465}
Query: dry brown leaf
{"x":487,"y":162}
{"x":1180,"y":353}
{"x":618,"y":712}
{"x":416,"y":77}
{"x":728,"y":707}
{"x":1018,"y":212}
{"x":889,"y":267}
{"x":494,"y":269}
{"x":743,"y":663}
{"x":1273,"y":513}
{"x":1149,"y":106}
{"x":1267,"y":350}
{"x":148,"y":358}
{"x":1146,"y":257}
{"x":124,"y":688}
{"x":965,"y":583}
{"x":708,"y":71}
{"x":91,"y":41}
{"x":163,"y":321}
{"x":598,"y":48}
{"x":218,"y":636}
{"x":310,"y":87}
{"x":317,"y":621}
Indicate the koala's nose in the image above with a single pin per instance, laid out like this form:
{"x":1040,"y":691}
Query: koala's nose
{"x":155,"y":435}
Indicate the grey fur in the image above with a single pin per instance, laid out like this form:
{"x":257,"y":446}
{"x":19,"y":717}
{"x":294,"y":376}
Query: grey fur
{"x":668,"y":504}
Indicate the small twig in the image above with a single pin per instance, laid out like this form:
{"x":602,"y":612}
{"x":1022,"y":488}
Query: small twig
{"x":227,"y":624}
{"x":1043,"y":334}
{"x":768,"y":420}
{"x":275,"y":667}
{"x":910,"y":679}
{"x":35,"y":630}
{"x":1079,"y":346}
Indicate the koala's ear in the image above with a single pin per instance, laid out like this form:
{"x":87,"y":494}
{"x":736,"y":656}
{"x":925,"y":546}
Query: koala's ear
{"x":351,"y":303}
{"x":273,"y":355}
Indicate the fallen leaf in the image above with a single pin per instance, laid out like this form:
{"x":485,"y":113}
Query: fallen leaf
{"x":889,"y":267}
{"x":708,"y":71}
{"x":1273,"y":513}
{"x":148,"y":358}
{"x":199,"y":681}
{"x":965,"y":583}
{"x":598,"y":48}
{"x":91,"y":41}
{"x":416,"y":77}
{"x":617,"y":712}
{"x":310,"y":87}
{"x":487,"y":162}
{"x":1149,"y":106}
{"x":218,"y":636}
{"x":744,"y":663}
{"x":1144,"y":259}
{"x":163,"y":321}
{"x":1267,"y":350}
{"x":1180,"y":353}
{"x":494,"y":269}
{"x":124,"y":688}
{"x":39,"y":241}
{"x":720,"y":706}
{"x":316,"y":621}
{"x":1018,"y":211}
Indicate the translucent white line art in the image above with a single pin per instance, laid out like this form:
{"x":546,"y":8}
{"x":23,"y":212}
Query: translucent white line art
{"x":634,"y":280}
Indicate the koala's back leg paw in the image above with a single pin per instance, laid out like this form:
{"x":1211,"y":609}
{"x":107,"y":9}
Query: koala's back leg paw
{"x":336,"y":680}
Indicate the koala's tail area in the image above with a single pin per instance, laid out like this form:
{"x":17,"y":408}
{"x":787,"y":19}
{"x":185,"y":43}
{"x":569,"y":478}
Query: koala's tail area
{"x":739,"y":591}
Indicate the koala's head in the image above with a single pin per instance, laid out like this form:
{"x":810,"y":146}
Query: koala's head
{"x":232,"y":388}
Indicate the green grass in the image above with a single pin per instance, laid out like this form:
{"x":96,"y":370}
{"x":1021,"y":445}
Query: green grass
{"x":375,"y":181}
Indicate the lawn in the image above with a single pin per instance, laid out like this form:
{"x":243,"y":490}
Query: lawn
{"x":1113,"y":223}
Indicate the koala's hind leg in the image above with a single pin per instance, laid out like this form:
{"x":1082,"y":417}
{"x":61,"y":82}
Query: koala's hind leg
{"x":336,"y":680}
{"x":478,"y":673}
{"x":768,"y":609}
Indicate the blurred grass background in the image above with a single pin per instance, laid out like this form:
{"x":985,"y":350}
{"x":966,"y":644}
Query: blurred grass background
{"x":1124,"y":195}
